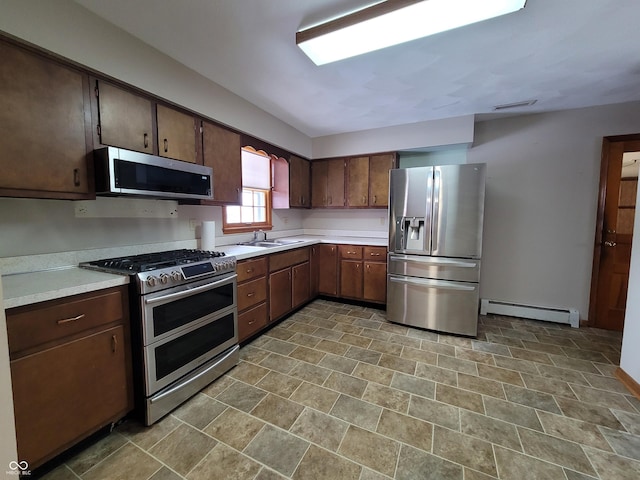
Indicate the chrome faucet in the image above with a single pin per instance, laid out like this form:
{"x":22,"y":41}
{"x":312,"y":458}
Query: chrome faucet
{"x":259,"y":236}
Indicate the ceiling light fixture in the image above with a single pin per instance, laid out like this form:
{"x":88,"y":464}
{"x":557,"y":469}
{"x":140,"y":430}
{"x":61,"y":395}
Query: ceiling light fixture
{"x":392,"y":22}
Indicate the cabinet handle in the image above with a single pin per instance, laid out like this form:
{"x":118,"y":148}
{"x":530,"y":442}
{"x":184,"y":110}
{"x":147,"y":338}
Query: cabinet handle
{"x":76,"y":177}
{"x":374,"y":254}
{"x":375,"y":199}
{"x":251,"y":294}
{"x":364,"y":199}
{"x":146,"y":140}
{"x":166,"y":145}
{"x":251,"y":322}
{"x":71,"y":319}
{"x":330,"y":200}
{"x":250,"y":270}
{"x":114,"y":343}
{"x":368,"y":267}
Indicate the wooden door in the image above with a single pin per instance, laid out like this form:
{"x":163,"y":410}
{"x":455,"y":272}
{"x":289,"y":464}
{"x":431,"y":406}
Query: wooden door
{"x":300,"y":286}
{"x":43,"y":129}
{"x":126,"y":119}
{"x":328,"y":269}
{"x":314,"y":271}
{"x":379,"y":166}
{"x":299,"y":187}
{"x":64,"y":393}
{"x":177,"y":134}
{"x":375,"y":282}
{"x":319,"y":183}
{"x":351,"y":278}
{"x":358,"y":182}
{"x":279,"y":293}
{"x":614,"y":231}
{"x":335,"y":183}
{"x":222,"y":152}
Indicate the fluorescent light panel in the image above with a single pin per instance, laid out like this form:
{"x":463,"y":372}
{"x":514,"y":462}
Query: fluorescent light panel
{"x":393,"y":22}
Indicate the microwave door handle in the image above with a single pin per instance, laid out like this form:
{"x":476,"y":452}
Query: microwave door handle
{"x":187,"y":293}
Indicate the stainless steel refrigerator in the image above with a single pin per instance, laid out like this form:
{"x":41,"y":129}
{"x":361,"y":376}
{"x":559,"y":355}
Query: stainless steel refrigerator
{"x":435,"y":247}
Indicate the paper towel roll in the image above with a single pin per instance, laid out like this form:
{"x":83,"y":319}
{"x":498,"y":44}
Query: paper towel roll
{"x":208,"y":236}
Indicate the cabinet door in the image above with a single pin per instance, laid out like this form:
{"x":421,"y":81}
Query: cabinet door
{"x":251,"y":321}
{"x":335,"y":183}
{"x":279,"y":293}
{"x":375,"y":282}
{"x":319,"y":183}
{"x":43,"y":139}
{"x":125,"y":119}
{"x":300,"y":284}
{"x":379,"y":166}
{"x":351,"y":279}
{"x":358,"y":182}
{"x":328,"y":269}
{"x":314,"y":271}
{"x":299,"y":187}
{"x":177,"y":134}
{"x":67,"y":392}
{"x":222,"y":152}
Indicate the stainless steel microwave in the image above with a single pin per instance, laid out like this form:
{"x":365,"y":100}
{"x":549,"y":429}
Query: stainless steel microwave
{"x":124,"y":172}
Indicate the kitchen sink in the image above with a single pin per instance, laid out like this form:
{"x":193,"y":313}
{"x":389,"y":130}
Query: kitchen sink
{"x":271,"y":243}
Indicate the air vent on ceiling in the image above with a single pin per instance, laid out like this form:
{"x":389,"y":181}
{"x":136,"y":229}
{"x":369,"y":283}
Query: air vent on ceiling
{"x":506,"y":106}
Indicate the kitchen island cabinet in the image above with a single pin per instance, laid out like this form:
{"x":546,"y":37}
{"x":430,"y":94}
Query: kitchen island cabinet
{"x":70,"y":369}
{"x":45,"y":131}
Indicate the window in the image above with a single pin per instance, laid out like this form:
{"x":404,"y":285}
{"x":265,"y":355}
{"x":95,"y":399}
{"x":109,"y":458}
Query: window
{"x":255,"y":211}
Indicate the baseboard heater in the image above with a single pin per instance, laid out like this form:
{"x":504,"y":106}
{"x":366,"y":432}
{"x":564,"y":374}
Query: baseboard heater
{"x":569,"y":316}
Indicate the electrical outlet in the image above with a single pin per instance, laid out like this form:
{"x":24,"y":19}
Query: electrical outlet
{"x":285,"y":220}
{"x":193,"y":223}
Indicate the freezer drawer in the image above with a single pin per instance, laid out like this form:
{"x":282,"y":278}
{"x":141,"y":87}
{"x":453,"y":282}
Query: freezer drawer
{"x":457,"y":269}
{"x":445,"y":306}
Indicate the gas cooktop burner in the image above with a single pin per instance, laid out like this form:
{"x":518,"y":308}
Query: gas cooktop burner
{"x":152,"y":261}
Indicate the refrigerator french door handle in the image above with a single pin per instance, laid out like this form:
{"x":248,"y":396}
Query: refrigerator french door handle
{"x":442,"y":262}
{"x":436,"y":207}
{"x":432,"y":283}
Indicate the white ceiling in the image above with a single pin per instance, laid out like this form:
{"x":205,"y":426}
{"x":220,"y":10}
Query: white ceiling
{"x":563,"y":53}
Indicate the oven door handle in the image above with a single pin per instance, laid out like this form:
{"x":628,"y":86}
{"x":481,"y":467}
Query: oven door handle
{"x":188,"y":292}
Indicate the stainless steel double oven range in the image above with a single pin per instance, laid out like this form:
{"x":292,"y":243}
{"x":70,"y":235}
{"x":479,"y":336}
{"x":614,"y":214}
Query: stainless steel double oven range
{"x":184,"y":323}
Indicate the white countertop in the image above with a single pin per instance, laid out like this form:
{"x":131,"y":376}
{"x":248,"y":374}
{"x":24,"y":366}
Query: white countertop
{"x":32,"y":287}
{"x":27,"y":288}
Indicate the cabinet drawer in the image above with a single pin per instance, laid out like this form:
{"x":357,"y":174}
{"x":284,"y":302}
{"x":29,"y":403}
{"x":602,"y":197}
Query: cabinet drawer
{"x":252,"y":293}
{"x":350,"y":251}
{"x":375,"y":254}
{"x":251,"y":321}
{"x":30,"y":326}
{"x":278,"y":261}
{"x":249,"y":269}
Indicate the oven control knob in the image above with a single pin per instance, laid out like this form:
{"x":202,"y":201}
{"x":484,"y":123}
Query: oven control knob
{"x":151,"y":281}
{"x":175,"y":275}
{"x":164,"y":278}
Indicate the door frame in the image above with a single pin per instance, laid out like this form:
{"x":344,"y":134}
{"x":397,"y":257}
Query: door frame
{"x":602,"y":195}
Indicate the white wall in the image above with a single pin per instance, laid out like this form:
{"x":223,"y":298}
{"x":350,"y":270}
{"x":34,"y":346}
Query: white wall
{"x":66,"y":28}
{"x":542,"y":189}
{"x":630,"y":358}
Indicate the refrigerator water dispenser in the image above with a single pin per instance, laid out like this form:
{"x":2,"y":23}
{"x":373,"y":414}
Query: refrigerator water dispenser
{"x":412,"y":237}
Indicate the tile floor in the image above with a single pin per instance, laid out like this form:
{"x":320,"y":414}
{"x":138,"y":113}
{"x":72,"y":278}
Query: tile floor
{"x":336,"y":392}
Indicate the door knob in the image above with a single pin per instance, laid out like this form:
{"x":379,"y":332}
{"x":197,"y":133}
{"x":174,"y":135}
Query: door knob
{"x":610,"y":244}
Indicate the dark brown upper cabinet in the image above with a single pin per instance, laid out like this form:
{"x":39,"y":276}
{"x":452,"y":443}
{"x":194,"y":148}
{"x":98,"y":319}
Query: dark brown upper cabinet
{"x":124,"y":119}
{"x":45,"y":126}
{"x":222,"y":152}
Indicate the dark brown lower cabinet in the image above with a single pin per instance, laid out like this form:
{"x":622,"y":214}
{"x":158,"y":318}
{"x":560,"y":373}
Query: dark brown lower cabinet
{"x":327,"y":269}
{"x":279,"y":293}
{"x":72,"y":382}
{"x":300,"y":284}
